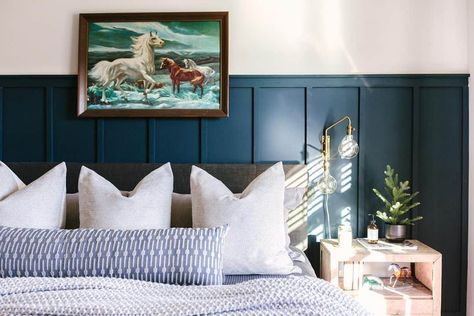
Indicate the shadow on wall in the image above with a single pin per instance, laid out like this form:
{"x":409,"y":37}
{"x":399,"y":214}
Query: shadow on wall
{"x":322,"y":220}
{"x":315,"y":212}
{"x":298,"y":217}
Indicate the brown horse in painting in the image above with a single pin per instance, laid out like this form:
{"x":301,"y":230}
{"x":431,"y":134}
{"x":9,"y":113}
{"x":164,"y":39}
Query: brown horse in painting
{"x":178,"y":74}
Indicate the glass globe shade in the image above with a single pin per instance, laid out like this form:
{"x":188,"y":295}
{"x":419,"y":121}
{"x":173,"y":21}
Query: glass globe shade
{"x":348,"y":147}
{"x":327,"y":184}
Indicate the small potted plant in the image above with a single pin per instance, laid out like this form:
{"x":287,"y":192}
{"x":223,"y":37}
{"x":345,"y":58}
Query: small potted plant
{"x":397,"y":204}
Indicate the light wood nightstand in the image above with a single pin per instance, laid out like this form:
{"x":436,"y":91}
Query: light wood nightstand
{"x":345,"y":268}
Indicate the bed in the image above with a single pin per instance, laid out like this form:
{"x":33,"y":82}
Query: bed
{"x":299,"y":293}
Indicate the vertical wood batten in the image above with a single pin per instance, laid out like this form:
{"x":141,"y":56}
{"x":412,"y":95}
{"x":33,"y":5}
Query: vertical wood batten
{"x":464,"y":194}
{"x":49,"y":124}
{"x":255,"y":91}
{"x":307,"y":101}
{"x":415,"y":148}
{"x":100,"y":149}
{"x":362,"y":143}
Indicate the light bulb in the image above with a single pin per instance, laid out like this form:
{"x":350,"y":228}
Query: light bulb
{"x":327,"y":184}
{"x":348,"y":147}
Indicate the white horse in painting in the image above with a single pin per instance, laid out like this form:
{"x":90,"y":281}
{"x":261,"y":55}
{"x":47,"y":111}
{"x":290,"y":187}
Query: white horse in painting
{"x":207,"y":72}
{"x":140,"y":67}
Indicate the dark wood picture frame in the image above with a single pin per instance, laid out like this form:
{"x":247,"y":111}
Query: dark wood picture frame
{"x":85,"y":20}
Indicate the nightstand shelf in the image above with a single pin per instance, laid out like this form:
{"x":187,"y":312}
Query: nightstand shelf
{"x":421,"y":295}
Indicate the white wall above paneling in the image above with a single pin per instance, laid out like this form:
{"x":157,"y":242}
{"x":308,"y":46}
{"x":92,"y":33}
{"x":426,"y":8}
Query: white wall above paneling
{"x":266,"y":36}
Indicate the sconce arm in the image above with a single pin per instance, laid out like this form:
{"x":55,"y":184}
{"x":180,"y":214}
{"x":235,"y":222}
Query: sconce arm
{"x":326,"y":140}
{"x":349,"y":126}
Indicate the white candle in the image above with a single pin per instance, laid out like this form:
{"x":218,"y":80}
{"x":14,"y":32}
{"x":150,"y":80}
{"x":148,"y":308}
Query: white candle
{"x":344,"y":235}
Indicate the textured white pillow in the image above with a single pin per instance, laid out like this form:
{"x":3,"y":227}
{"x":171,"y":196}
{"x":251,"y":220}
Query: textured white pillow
{"x":148,"y":206}
{"x":256,"y":241}
{"x":41,"y":204}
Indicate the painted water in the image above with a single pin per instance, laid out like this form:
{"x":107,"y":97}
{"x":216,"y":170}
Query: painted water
{"x":158,"y":98}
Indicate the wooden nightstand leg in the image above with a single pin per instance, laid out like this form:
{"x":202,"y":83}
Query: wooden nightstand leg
{"x":360,"y":275}
{"x":348,"y":276}
{"x":329,"y":269}
{"x":437,"y":277}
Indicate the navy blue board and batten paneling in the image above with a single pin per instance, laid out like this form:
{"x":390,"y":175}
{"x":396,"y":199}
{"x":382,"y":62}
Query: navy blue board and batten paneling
{"x":177,"y":138}
{"x":278,"y":131}
{"x":24,"y":121}
{"x":441,"y":179}
{"x":230,"y":140}
{"x":327,"y":105}
{"x":386,"y":112}
{"x":416,"y":123}
{"x":68,"y":131}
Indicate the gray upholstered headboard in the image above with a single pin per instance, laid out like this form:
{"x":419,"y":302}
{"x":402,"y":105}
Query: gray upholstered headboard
{"x":235,"y":176}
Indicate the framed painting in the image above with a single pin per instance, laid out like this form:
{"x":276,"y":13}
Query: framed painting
{"x":153,"y":65}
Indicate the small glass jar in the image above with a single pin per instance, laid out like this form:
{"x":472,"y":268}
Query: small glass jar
{"x":344,"y":236}
{"x":372,"y":231}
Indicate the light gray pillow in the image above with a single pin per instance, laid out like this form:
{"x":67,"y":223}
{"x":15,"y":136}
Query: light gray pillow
{"x":148,"y":206}
{"x":180,"y":210}
{"x":256,"y":242}
{"x":41,"y":204}
{"x":181,"y":207}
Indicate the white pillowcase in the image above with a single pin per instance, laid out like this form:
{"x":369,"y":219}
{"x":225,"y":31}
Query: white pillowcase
{"x":148,"y":206}
{"x":181,"y":207}
{"x":256,"y":241}
{"x":41,"y":204}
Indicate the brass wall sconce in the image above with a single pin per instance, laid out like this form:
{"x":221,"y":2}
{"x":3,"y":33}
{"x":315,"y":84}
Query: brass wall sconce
{"x":348,"y":149}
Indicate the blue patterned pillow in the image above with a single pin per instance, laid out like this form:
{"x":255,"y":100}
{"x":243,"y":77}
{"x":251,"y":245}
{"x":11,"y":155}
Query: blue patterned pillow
{"x":175,"y":255}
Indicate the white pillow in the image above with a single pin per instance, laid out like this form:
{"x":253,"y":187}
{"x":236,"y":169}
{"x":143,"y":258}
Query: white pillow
{"x":181,"y":207}
{"x":41,"y":204}
{"x":148,"y":206}
{"x":256,"y":241}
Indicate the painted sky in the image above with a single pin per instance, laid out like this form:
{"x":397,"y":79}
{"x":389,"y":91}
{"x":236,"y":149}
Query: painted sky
{"x":188,"y":35}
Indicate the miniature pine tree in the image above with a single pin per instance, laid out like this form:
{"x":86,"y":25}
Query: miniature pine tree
{"x":398,"y":201}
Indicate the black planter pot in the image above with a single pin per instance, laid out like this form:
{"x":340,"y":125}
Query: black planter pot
{"x":395,"y":233}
